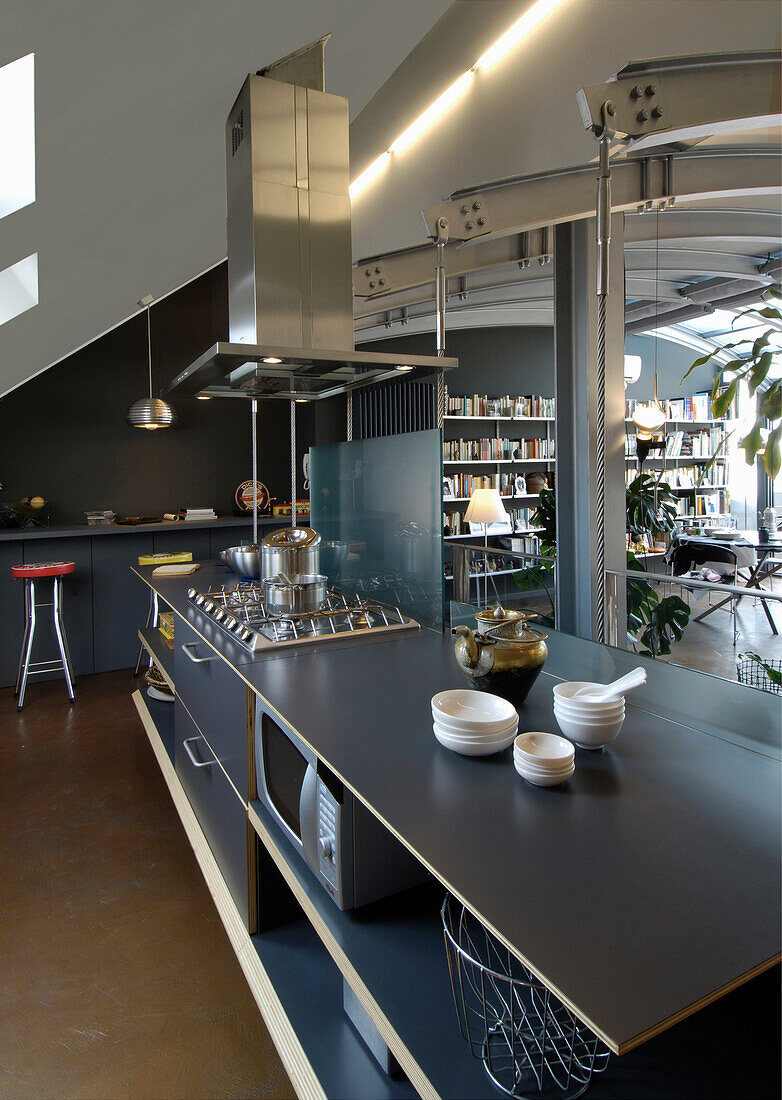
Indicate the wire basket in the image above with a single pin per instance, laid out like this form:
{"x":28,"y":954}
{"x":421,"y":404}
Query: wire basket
{"x":530,"y":1044}
{"x":754,"y":673}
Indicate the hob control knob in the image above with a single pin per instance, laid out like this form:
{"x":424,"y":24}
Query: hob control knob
{"x":325,"y":848}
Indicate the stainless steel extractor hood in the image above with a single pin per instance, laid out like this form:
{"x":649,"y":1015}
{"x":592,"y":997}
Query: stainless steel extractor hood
{"x":289,"y":256}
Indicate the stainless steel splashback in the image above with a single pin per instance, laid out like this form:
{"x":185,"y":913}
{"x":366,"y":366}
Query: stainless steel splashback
{"x":289,"y":254}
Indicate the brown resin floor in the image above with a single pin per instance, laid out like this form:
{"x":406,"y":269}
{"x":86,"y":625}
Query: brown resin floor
{"x":116,"y":976}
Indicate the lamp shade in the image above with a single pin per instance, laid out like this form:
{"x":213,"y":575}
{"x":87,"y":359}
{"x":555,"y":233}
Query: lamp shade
{"x":648,"y":420}
{"x":485,"y":507}
{"x":150,"y":413}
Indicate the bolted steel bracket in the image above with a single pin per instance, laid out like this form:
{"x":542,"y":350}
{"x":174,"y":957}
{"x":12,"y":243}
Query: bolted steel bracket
{"x":372,"y":278}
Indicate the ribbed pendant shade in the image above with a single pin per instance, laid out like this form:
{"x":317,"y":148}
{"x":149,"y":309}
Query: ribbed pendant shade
{"x":150,"y":412}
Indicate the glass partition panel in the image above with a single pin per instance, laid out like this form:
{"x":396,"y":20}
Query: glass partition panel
{"x":487,"y":577}
{"x":376,"y":504}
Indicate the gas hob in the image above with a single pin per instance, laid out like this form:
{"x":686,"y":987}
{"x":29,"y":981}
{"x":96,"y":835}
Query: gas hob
{"x":239,"y":610}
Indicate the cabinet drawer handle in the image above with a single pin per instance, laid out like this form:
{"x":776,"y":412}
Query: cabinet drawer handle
{"x":187,"y":647}
{"x":196,"y":762}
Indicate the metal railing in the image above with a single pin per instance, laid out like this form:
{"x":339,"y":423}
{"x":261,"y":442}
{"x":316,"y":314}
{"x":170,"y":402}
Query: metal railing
{"x":465,"y":556}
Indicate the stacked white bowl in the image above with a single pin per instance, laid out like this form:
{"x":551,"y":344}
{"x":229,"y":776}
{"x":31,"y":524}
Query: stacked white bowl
{"x":590,"y":723}
{"x":473,"y":723}
{"x":544,"y":759}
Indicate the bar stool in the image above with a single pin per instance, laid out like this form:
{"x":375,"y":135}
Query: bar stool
{"x":55,"y":571}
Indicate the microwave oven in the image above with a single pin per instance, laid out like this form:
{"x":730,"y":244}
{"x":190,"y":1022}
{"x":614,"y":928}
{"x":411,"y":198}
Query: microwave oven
{"x":352,"y":855}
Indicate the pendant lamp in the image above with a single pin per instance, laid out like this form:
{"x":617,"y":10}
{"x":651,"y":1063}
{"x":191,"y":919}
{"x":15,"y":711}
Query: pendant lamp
{"x":150,"y":412}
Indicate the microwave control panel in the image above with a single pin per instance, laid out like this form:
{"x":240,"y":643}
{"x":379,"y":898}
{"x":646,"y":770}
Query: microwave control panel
{"x":328,"y":827}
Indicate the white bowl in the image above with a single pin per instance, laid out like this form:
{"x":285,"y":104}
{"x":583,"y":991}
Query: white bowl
{"x":477,"y":709}
{"x":587,"y":735}
{"x":590,"y":723}
{"x":550,"y":780}
{"x":544,"y":748}
{"x":474,"y":738}
{"x":471,"y":747}
{"x":539,"y":769}
{"x":604,"y":710}
{"x":453,"y":726}
{"x":568,"y":689}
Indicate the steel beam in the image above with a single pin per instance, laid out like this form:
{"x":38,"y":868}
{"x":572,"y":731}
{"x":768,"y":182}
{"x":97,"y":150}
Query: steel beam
{"x":527,"y":204}
{"x":685,"y":98}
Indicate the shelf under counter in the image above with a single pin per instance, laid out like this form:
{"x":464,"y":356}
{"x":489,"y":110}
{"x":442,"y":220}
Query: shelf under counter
{"x":155,"y":645}
{"x":393,"y":956}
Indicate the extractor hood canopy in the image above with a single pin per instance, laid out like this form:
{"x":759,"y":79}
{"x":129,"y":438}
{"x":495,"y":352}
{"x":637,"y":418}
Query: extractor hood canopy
{"x":236,"y":370}
{"x":290,"y":279}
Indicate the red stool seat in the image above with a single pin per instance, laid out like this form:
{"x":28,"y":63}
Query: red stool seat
{"x":43,"y":569}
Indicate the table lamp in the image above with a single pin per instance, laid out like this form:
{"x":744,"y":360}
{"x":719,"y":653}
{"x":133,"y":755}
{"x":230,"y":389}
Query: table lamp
{"x":485,"y":507}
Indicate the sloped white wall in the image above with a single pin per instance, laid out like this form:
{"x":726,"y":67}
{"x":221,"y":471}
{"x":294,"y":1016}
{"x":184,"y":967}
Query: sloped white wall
{"x":131,"y":102}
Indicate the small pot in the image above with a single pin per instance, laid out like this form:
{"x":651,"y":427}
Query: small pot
{"x":300,"y":594}
{"x":291,"y":550}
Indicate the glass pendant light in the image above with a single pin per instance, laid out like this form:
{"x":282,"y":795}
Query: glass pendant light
{"x":649,"y":419}
{"x":150,"y":412}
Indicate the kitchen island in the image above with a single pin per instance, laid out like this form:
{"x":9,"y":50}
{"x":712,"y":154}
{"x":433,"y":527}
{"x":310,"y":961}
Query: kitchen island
{"x":639,"y":892}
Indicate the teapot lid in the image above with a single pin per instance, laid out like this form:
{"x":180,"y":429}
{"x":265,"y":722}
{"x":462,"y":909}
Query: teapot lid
{"x":489,"y":616}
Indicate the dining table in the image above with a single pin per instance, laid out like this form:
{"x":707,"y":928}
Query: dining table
{"x":764,"y":545}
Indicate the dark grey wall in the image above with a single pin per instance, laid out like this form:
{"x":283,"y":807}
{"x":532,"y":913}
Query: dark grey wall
{"x":493,"y":361}
{"x":63,"y":435}
{"x":673,"y":362}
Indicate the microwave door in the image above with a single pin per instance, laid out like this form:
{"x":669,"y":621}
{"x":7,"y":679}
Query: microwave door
{"x":282,"y":773}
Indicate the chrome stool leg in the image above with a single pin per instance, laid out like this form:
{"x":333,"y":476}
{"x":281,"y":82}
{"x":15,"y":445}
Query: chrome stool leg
{"x":27,"y":643}
{"x":59,"y":629}
{"x":151,"y":621}
{"x":25,"y":638}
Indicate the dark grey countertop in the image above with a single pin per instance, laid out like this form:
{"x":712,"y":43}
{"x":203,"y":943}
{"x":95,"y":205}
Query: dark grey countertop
{"x":638,"y":891}
{"x":9,"y":534}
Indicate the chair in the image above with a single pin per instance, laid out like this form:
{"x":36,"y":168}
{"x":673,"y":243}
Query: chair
{"x":686,"y":556}
{"x":31,"y":574}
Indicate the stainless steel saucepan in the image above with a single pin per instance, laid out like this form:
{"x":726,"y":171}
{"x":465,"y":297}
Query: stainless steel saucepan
{"x":299,"y":594}
{"x":290,"y":550}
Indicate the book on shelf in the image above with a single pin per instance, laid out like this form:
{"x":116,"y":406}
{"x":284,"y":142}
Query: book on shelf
{"x":477,"y":404}
{"x":496,"y":449}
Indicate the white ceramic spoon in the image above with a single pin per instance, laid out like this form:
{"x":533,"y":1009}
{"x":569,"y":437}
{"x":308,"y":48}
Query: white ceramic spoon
{"x":633,"y":680}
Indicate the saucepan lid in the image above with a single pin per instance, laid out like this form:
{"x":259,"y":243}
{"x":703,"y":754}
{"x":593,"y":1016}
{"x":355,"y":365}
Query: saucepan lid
{"x":295,"y":538}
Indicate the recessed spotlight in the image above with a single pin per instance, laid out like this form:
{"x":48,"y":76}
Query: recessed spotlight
{"x":203,"y":397}
{"x":404,"y":366}
{"x":301,"y":400}
{"x":272,"y":359}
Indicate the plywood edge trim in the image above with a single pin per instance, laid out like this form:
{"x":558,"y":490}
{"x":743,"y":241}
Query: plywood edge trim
{"x":160,"y":668}
{"x":696,"y":1006}
{"x":291,"y":1053}
{"x":416,"y":1075}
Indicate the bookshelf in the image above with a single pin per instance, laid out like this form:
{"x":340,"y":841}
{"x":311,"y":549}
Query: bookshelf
{"x":495,"y":443}
{"x":693,"y":463}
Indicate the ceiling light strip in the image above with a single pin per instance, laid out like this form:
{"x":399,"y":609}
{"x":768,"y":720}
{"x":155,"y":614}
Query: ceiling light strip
{"x":531,"y":18}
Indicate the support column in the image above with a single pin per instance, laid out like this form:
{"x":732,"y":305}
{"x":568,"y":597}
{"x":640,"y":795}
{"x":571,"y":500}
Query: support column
{"x":580,"y":588}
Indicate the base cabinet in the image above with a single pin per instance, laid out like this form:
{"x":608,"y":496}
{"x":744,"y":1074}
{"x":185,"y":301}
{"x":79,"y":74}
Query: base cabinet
{"x":220,"y":812}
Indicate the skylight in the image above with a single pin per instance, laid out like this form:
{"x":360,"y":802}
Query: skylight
{"x":17,"y":134}
{"x":18,"y":288}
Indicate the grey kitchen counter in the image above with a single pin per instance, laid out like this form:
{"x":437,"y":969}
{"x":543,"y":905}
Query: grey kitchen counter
{"x":639,"y":891}
{"x":12,"y":534}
